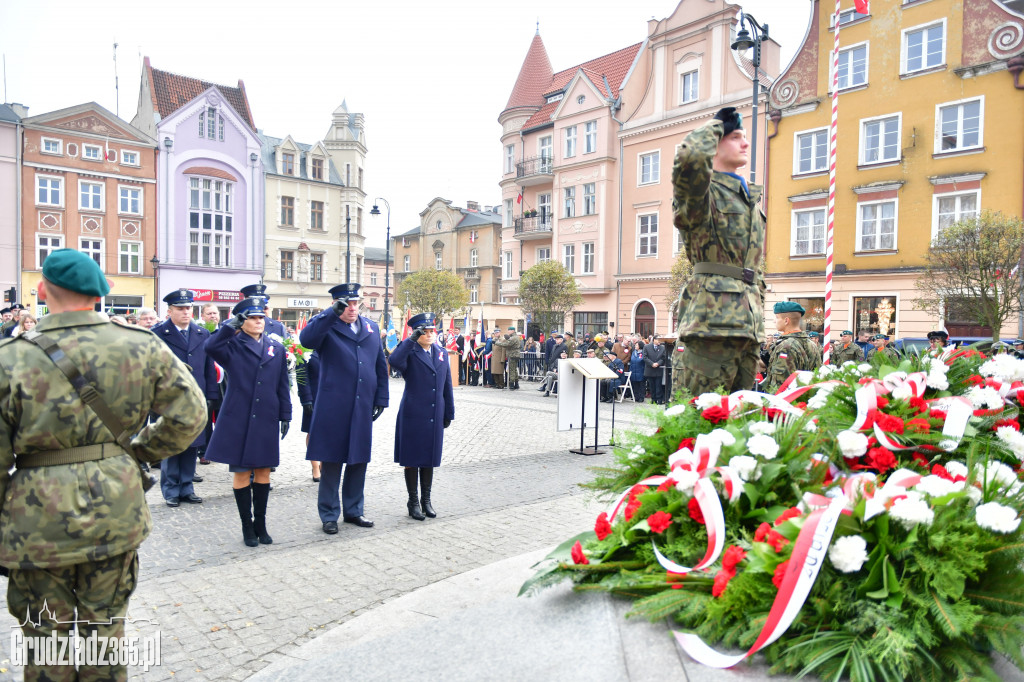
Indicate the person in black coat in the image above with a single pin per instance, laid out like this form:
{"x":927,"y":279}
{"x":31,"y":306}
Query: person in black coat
{"x":257,"y":403}
{"x":654,"y":361}
{"x":427,"y":409}
{"x":187,"y":341}
{"x":307,"y":374}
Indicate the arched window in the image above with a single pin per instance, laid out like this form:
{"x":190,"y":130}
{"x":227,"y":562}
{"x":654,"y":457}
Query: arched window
{"x":643,"y":319}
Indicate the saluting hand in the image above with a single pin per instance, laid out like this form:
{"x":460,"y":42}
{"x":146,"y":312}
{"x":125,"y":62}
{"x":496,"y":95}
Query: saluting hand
{"x":236,"y":322}
{"x":339,"y":307}
{"x":418,"y":332}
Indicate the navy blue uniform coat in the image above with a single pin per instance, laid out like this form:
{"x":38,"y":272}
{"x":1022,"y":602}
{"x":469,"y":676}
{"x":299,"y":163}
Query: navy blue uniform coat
{"x":248,"y":433}
{"x":353,"y":378}
{"x":194,"y":355}
{"x":426,"y":403}
{"x":306,"y":376}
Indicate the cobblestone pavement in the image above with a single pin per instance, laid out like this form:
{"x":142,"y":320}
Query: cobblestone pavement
{"x":507,"y":485}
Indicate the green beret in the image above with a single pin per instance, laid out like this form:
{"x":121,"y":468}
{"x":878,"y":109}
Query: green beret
{"x":813,"y":335}
{"x":511,"y":329}
{"x":846,"y":332}
{"x":879,"y":337}
{"x":788,"y":307}
{"x":75,"y":271}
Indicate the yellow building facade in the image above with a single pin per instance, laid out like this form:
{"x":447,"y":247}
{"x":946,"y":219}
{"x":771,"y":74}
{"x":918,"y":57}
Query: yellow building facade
{"x":929,"y":133}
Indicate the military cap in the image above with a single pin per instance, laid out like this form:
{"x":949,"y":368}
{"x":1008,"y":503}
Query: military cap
{"x":577,"y":351}
{"x":788,"y":307}
{"x":939,"y":334}
{"x":75,"y":271}
{"x":17,"y":306}
{"x":813,"y":335}
{"x":497,"y":329}
{"x":1018,"y":342}
{"x":254,"y":290}
{"x":511,"y":329}
{"x":345,"y":292}
{"x":876,"y":337}
{"x":5,"y":310}
{"x":730,"y":118}
{"x":554,"y":331}
{"x":427,"y":320}
{"x":846,"y":332}
{"x":249,"y":307}
{"x":183,"y":297}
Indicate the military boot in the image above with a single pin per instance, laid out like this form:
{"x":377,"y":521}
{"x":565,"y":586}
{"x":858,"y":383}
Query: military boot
{"x":260,"y":493}
{"x":414,"y":500}
{"x":426,"y":480}
{"x":243,"y":498}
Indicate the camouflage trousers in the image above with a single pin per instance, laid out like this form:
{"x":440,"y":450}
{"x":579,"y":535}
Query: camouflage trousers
{"x":709,"y":363}
{"x":513,"y":370}
{"x":95,"y":594}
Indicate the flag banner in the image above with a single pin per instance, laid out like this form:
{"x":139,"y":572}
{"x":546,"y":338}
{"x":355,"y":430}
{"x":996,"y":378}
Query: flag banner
{"x":861,"y":6}
{"x":392,"y":337}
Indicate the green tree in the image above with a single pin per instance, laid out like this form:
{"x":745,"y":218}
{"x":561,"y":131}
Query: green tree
{"x":682,"y":270}
{"x":547,"y":292}
{"x":441,"y":292}
{"x":971,"y":271}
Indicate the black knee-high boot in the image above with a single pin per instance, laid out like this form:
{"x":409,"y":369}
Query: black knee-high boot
{"x":260,"y":493}
{"x":414,"y":501}
{"x":426,"y":479}
{"x":243,"y":498}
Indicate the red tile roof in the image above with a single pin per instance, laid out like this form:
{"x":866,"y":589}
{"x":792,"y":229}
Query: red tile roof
{"x":170,"y":92}
{"x":534,"y":77}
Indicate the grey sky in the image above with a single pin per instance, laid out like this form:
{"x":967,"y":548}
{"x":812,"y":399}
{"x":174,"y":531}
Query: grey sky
{"x":431,"y":77}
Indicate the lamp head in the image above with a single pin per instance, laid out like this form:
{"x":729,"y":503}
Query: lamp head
{"x":375,"y":210}
{"x":743,"y":41}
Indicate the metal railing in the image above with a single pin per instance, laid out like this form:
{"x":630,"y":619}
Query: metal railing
{"x":532,"y":225}
{"x":537,"y":165}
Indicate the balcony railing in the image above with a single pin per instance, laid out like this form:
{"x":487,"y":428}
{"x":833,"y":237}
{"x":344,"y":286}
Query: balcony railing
{"x":535,"y":170}
{"x":526,"y":228}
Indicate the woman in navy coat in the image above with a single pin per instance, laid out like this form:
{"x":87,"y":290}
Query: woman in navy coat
{"x":307,"y":374}
{"x":257,"y":401}
{"x":428,"y":407}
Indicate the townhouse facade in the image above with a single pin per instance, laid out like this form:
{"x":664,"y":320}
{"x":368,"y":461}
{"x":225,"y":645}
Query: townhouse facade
{"x":88,"y":182}
{"x":587,"y":157}
{"x":378,"y":284}
{"x":10,"y":198}
{"x":210,"y":174}
{"x":925,"y":138}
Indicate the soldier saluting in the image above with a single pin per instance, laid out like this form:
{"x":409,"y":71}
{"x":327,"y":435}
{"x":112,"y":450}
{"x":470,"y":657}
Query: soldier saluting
{"x":73,"y":513}
{"x":795,"y":351}
{"x":721,"y":308}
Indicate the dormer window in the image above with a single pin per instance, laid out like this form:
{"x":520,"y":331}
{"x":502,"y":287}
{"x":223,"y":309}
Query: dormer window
{"x":317,"y":169}
{"x":288,"y":164}
{"x":211,"y":124}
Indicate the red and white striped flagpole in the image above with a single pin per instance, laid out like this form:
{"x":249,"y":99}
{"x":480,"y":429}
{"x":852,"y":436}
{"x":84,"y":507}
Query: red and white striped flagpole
{"x":829,"y":238}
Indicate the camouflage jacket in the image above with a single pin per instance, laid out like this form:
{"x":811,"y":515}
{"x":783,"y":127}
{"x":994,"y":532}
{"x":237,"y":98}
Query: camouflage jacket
{"x":719,"y":224}
{"x":852,"y":352}
{"x":72,"y":513}
{"x":794,"y":352}
{"x":513,"y":346}
{"x":891,"y":353}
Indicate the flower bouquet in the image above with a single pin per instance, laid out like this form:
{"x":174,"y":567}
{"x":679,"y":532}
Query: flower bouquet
{"x":864,"y":522}
{"x":295,"y":351}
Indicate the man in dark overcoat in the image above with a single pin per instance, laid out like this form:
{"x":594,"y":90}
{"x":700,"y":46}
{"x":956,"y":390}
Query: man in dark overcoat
{"x":187,"y":340}
{"x":352,"y":393}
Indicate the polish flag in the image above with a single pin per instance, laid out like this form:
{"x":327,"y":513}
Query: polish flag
{"x":861,"y":6}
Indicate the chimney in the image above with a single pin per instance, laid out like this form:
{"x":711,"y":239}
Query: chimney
{"x":472,"y":206}
{"x":20,"y":109}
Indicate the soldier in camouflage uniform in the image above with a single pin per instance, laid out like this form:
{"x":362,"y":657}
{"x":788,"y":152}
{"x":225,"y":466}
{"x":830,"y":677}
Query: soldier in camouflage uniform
{"x":721,"y":321}
{"x":846,"y":349}
{"x":69,"y":531}
{"x":795,"y":351}
{"x":881,"y":343}
{"x":513,"y":346}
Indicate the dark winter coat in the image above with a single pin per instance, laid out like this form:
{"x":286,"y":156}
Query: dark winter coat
{"x":193,"y":354}
{"x":307,"y":375}
{"x":654,"y":353}
{"x":427,"y":402}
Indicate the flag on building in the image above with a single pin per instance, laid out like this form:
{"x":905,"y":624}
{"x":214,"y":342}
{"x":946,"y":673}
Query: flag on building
{"x":861,"y":6}
{"x":519,"y":199}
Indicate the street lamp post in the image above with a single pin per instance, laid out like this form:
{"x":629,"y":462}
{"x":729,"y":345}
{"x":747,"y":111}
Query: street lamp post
{"x":348,"y":245}
{"x":155,"y":262}
{"x":744,"y":42}
{"x":387,"y":253}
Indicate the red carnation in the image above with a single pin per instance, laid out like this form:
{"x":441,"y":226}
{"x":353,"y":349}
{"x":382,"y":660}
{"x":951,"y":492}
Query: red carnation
{"x":772,"y":413}
{"x":889,"y":423}
{"x":716,"y":414}
{"x":919,"y":404}
{"x":921,"y":459}
{"x":668,"y":483}
{"x":733,"y":555}
{"x":869,"y":419}
{"x":761,"y":532}
{"x":790,"y":513}
{"x":918,"y":425}
{"x":578,"y":557}
{"x":659,"y":521}
{"x":687,"y":443}
{"x":937,"y":414}
{"x":637,"y":490}
{"x":602,"y":528}
{"x":881,"y":401}
{"x":776,"y":540}
{"x":694,"y":508}
{"x":974,"y":380}
{"x":722,"y":579}
{"x":631,"y":508}
{"x":881,"y":459}
{"x":1012,"y":423}
{"x":780,"y":574}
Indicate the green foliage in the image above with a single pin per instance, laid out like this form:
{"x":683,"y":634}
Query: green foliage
{"x":548,"y":292}
{"x":441,"y":292}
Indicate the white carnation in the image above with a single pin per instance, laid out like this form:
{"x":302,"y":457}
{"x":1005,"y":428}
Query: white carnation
{"x":804,"y":378}
{"x":1004,"y":367}
{"x":675,"y":409}
{"x":745,"y":467}
{"x":935,"y":486}
{"x":911,"y":511}
{"x":984,"y":397}
{"x":956,"y":469}
{"x":852,"y":444}
{"x":864,"y":368}
{"x":637,"y":451}
{"x":903,"y":392}
{"x":811,"y":426}
{"x":848,"y":553}
{"x":995,"y":472}
{"x":937,"y":380}
{"x":1012,"y":439}
{"x":974,"y":494}
{"x":706,"y":400}
{"x":684,"y":479}
{"x":825,"y":370}
{"x":763,"y":445}
{"x":820,"y":399}
{"x":996,"y":517}
{"x":766,"y":428}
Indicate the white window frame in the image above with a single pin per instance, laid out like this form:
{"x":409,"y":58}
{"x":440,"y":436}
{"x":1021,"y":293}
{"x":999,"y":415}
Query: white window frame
{"x":960,"y":132}
{"x":691,"y":93}
{"x":590,"y":137}
{"x":589,"y":258}
{"x":796,"y":151}
{"x":509,"y":208}
{"x":794,"y":217}
{"x":976,"y":193}
{"x":121,"y":190}
{"x":569,"y":136}
{"x":92,"y":253}
{"x":655,"y":170}
{"x":589,"y":198}
{"x":848,"y":50}
{"x":102,"y":196}
{"x":569,"y":202}
{"x":569,"y":258}
{"x":677,"y":242}
{"x":544,"y":208}
{"x":51,"y":247}
{"x":438,"y":260}
{"x":904,"y":67}
{"x":60,"y":191}
{"x":474,"y":258}
{"x":49,"y":152}
{"x":852,"y":12}
{"x":546,"y":152}
{"x":865,"y":122}
{"x":508,"y":265}
{"x":123,"y":251}
{"x":87,"y":148}
{"x":643,"y":237}
{"x":543,"y":254}
{"x":406,"y":261}
{"x":474,"y":295}
{"x":373,"y":279}
{"x":895,"y":227}
{"x":510,"y":158}
{"x":129,"y":158}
